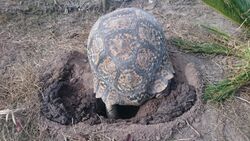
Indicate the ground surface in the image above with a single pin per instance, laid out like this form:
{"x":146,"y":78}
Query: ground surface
{"x":34,"y":35}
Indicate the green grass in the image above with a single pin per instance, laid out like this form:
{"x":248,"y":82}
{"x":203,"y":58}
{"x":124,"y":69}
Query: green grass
{"x":226,"y":88}
{"x":217,"y":32}
{"x":239,"y":12}
{"x":236,"y":10}
{"x":246,"y":53}
{"x":207,"y":48}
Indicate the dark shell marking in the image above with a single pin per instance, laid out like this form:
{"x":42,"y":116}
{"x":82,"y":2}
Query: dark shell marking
{"x":126,"y":49}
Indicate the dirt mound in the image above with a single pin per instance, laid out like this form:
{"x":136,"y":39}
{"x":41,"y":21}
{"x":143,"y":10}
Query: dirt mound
{"x":64,"y":98}
{"x":166,"y":108}
{"x":67,"y":96}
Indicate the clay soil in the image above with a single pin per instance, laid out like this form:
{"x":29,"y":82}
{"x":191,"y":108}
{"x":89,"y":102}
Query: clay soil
{"x":44,"y":71}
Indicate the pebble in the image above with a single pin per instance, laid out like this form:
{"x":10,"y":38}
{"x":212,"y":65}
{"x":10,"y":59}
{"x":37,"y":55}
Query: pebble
{"x":197,"y":120}
{"x":158,"y":138}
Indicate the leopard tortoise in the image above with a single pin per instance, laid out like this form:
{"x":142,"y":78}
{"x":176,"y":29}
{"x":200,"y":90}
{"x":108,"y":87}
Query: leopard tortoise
{"x":128,"y":57}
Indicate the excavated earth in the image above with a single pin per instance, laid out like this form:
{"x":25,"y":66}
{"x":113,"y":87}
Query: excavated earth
{"x":67,"y":95}
{"x":67,"y":98}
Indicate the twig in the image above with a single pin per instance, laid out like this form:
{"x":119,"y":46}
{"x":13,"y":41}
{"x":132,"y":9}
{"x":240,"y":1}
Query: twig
{"x":8,"y":112}
{"x":64,"y":136}
{"x":199,"y":135}
{"x":73,"y":125}
{"x":100,"y":118}
{"x":13,"y":117}
{"x":241,"y":24}
{"x":55,"y":2}
{"x":3,"y":135}
{"x":186,"y":139}
{"x":243,"y":99}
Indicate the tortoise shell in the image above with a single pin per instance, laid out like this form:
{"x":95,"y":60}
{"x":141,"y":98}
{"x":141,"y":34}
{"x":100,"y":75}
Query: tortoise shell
{"x":128,"y":56}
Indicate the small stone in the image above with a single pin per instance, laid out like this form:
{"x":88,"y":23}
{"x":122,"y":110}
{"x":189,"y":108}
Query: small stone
{"x":66,"y":11}
{"x":197,"y":120}
{"x":99,"y":128}
{"x":181,"y":124}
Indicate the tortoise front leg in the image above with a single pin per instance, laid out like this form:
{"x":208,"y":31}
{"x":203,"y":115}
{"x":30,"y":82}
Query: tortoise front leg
{"x":111,"y":111}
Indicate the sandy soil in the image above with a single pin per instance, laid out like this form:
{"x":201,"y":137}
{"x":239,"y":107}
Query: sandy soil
{"x":36,"y":47}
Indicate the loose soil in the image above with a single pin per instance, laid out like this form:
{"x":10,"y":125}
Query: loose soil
{"x":67,"y":95}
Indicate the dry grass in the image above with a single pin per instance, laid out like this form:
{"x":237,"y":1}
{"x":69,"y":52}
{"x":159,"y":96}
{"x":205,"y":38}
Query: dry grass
{"x":18,"y":85}
{"x":28,"y":40}
{"x":232,"y":115}
{"x":19,"y":91}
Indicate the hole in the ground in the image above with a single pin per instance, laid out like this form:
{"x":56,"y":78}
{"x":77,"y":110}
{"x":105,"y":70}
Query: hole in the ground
{"x":65,"y":104}
{"x":123,"y":111}
{"x":100,"y":107}
{"x":67,"y":97}
{"x":126,"y":112}
{"x":62,"y":102}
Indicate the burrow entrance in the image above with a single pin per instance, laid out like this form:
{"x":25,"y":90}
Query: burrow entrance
{"x":67,"y":96}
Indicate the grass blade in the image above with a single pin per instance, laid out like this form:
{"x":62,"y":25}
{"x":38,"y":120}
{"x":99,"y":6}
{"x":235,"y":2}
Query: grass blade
{"x":227,"y":88}
{"x":207,"y":48}
{"x":216,"y":31}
